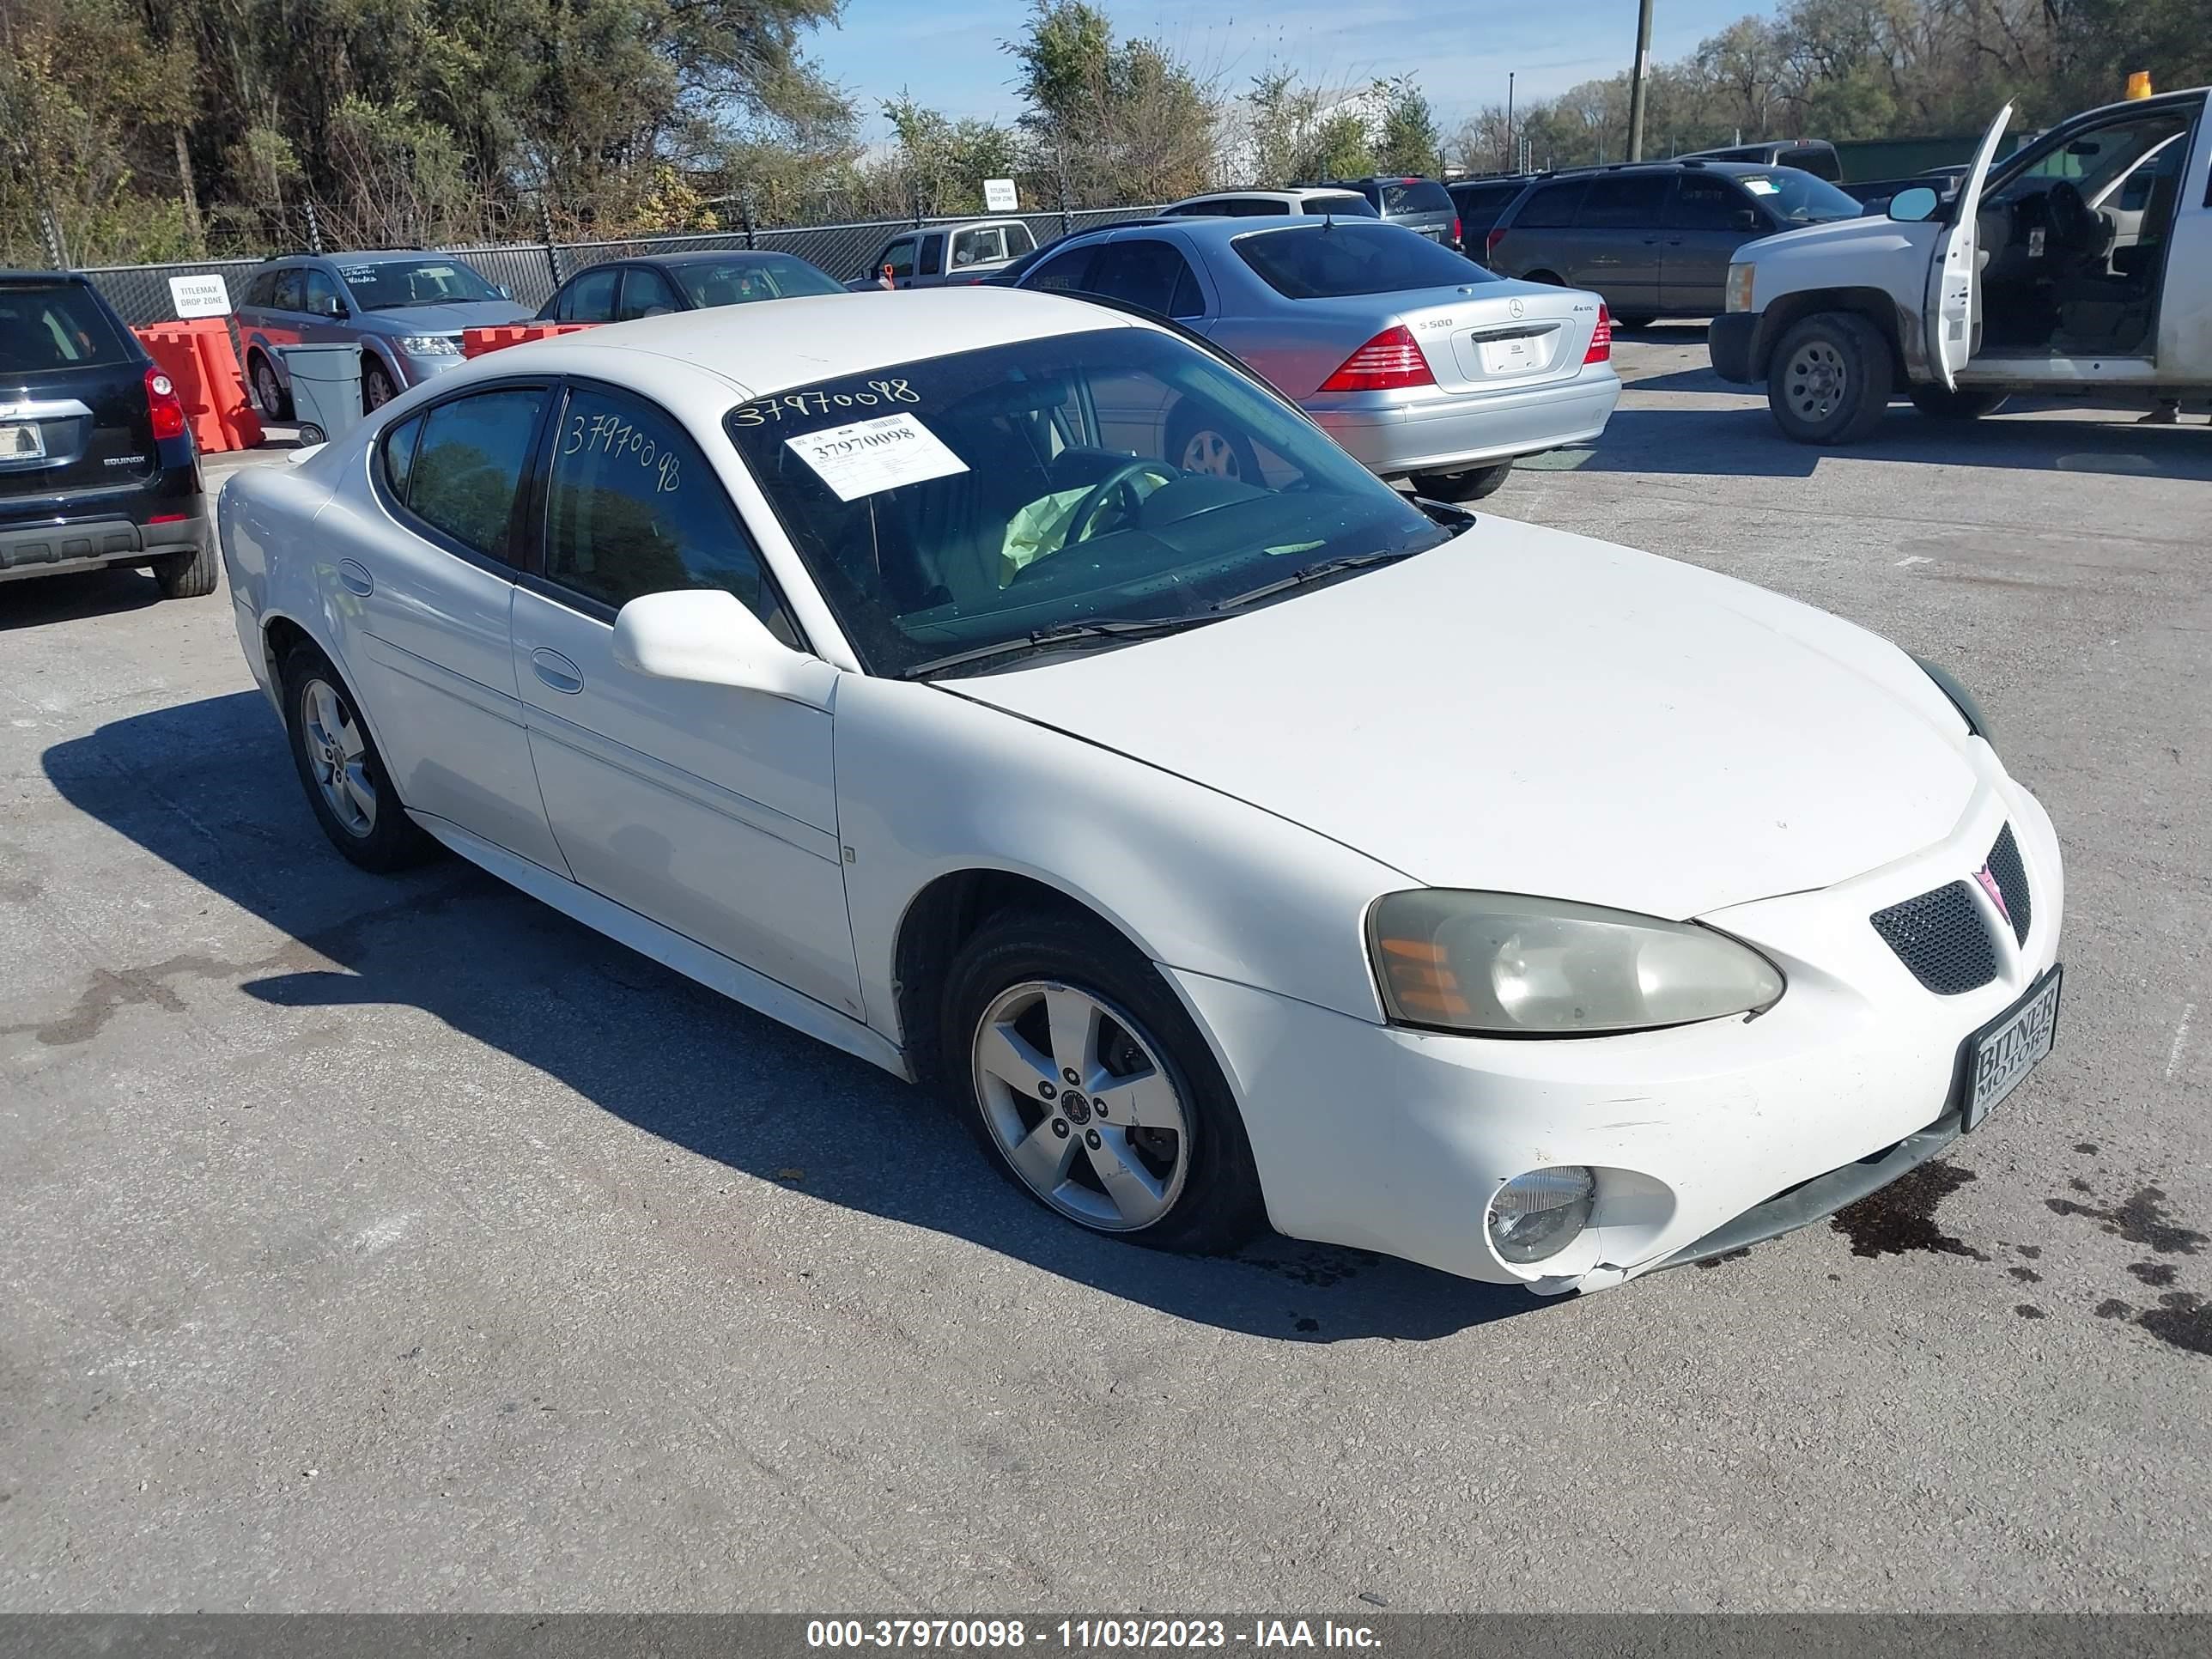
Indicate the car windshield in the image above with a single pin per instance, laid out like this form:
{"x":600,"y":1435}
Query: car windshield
{"x":390,"y":284}
{"x":763,"y":277}
{"x":48,"y":325}
{"x":1119,"y":475}
{"x":1325,"y":262}
{"x":1799,"y":197}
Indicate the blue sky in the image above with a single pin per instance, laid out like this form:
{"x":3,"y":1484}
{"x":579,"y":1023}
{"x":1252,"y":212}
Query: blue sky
{"x":946,"y":52}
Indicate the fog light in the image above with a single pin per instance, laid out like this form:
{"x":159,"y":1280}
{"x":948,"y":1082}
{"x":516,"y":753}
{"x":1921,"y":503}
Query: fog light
{"x":1537,"y":1215}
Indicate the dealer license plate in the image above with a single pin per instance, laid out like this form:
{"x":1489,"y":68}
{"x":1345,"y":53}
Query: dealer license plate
{"x":2006,"y":1050}
{"x":1511,"y":356}
{"x":25,"y":442}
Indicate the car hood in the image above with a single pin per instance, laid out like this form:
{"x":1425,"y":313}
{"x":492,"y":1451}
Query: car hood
{"x":449,"y":318}
{"x":1530,"y":711}
{"x":1869,"y":231}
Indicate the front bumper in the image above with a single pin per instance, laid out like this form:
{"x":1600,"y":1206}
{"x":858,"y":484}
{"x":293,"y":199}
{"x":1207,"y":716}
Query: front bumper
{"x":1394,"y":1140}
{"x":1447,"y":432}
{"x":88,"y":544}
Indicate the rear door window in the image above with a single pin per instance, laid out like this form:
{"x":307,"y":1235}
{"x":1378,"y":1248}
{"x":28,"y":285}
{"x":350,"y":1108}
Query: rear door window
{"x":1624,"y":201}
{"x":1064,"y":273}
{"x":1327,"y":262}
{"x":933,"y":256}
{"x":49,"y":325}
{"x":1552,"y":207}
{"x":1146,"y":272}
{"x":470,"y":463}
{"x":591,"y":297}
{"x":1358,"y":207}
{"x":646,"y":293}
{"x":987,"y":245}
{"x":1706,"y":202}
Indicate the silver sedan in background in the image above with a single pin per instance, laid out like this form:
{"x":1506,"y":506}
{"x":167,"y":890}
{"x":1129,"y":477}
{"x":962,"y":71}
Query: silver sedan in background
{"x":1415,"y":359}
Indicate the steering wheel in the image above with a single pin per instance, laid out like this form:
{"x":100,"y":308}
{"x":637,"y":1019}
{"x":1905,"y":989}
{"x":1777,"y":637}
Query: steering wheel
{"x":1082,"y":522}
{"x":2072,"y":224}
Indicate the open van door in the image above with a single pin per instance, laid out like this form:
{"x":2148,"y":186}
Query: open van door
{"x":1949,"y":307}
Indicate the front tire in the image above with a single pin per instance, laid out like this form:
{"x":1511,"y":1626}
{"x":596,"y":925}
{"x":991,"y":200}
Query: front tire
{"x":1830,"y":380}
{"x":376,"y":388}
{"x":1476,"y":485}
{"x":1966,"y":403}
{"x":1091,"y":1089}
{"x":339,"y":767}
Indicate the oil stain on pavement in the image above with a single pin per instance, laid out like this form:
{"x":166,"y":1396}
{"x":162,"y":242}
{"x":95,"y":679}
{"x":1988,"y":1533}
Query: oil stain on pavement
{"x":1901,"y":1217}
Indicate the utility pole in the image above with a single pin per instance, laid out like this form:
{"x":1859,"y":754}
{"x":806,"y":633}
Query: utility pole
{"x":1640,"y":79}
{"x":1510,"y":152}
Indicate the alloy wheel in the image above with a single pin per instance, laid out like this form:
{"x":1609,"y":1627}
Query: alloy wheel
{"x":1076,"y":1097}
{"x":338,"y":757}
{"x":1209,"y":452}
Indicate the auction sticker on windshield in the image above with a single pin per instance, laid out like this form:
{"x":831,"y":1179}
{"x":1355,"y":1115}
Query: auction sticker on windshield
{"x":867,"y":457}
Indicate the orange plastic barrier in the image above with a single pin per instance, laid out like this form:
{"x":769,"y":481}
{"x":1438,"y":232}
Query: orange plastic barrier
{"x":201,"y":363}
{"x":475,"y":342}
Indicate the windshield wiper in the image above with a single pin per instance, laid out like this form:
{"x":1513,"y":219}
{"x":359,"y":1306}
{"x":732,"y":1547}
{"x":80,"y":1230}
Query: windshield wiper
{"x":1314,"y":573}
{"x":1101,"y":628}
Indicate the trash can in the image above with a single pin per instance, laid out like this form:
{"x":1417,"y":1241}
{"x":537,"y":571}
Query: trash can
{"x":325,"y":389}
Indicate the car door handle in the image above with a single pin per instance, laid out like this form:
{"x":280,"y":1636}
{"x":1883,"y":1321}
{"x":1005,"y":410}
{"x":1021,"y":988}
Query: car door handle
{"x":354,"y":576}
{"x":557,"y":671}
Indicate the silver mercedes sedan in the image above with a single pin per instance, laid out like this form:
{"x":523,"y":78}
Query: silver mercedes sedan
{"x":1415,"y":359}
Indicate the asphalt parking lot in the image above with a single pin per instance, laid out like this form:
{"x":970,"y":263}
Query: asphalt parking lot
{"x":400,"y":1244}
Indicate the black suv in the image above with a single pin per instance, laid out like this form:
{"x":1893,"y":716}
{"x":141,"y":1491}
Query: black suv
{"x":97,"y":466}
{"x":1654,"y":238}
{"x":1480,"y":201}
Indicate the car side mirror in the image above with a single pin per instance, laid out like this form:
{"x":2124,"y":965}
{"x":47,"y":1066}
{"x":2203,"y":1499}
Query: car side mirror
{"x":504,"y":291}
{"x":1909,"y":207}
{"x":705,"y":636}
{"x":1746,"y":218}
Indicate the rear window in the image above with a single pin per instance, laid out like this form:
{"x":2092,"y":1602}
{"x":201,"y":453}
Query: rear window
{"x":1416,"y":196}
{"x":55,"y":325}
{"x":1322,"y":262}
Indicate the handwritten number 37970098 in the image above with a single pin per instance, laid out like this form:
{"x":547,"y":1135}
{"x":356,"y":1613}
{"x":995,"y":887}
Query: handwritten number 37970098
{"x":610,"y":435}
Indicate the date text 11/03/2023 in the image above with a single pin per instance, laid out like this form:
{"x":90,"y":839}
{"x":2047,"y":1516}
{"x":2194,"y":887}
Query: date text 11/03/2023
{"x":1090,"y":1635}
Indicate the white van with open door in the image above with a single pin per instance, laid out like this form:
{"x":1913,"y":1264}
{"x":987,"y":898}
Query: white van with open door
{"x":2081,"y":264}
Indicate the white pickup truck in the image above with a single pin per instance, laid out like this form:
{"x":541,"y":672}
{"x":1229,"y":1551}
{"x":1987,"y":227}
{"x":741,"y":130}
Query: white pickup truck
{"x":2081,"y":265}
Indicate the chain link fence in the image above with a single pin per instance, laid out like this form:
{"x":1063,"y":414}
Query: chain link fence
{"x":531,"y":271}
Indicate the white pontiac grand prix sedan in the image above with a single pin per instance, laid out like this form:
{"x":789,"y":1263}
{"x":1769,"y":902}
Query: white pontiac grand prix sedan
{"x":1275,"y":849}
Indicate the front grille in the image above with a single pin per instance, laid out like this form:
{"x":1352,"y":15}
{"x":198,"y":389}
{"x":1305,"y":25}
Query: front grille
{"x":1940,"y":937}
{"x":2012,"y":881}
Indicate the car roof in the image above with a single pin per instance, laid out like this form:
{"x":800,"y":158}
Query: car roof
{"x":773,"y":344}
{"x":7,"y":275}
{"x":1678,"y":164}
{"x":720,"y":256}
{"x":369,"y":257}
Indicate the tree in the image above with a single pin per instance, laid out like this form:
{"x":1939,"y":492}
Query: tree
{"x":1119,"y":123}
{"x":1409,"y":142}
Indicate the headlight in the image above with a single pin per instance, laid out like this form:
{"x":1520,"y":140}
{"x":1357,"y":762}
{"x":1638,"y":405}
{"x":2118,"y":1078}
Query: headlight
{"x":1739,"y":280}
{"x":1537,"y":1215}
{"x":431,"y":345}
{"x":1977,"y":723}
{"x":1506,"y":965}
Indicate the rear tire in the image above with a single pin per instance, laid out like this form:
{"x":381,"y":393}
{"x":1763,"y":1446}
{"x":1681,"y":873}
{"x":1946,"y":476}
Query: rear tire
{"x":275,"y":402}
{"x":1634,"y":319}
{"x":186,"y":575}
{"x":1039,"y":994}
{"x":1471,"y":486}
{"x":1966,"y":403}
{"x":1199,"y":441}
{"x":339,"y":767}
{"x":1550,"y":279}
{"x":1830,"y":379}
